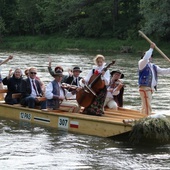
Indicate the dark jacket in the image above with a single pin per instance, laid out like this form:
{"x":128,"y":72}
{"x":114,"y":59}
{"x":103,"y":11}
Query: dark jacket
{"x":26,"y":89}
{"x":70,"y":80}
{"x":52,"y":73}
{"x":14,"y":86}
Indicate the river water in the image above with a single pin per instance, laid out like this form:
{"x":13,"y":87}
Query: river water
{"x":44,"y":148}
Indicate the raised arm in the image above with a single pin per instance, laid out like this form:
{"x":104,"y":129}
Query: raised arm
{"x":6,"y":60}
{"x":142,"y":63}
{"x":49,"y":66}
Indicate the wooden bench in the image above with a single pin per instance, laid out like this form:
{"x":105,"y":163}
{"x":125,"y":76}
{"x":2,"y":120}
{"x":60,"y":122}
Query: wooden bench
{"x":18,"y":95}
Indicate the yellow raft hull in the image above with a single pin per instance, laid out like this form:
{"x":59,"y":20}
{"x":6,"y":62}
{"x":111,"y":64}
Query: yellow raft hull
{"x":112,"y":123}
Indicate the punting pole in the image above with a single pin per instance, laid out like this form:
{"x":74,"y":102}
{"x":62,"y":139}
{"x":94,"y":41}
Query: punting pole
{"x":144,"y":36}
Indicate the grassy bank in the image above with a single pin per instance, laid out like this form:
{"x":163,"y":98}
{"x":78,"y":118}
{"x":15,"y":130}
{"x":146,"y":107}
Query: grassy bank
{"x":58,"y":43}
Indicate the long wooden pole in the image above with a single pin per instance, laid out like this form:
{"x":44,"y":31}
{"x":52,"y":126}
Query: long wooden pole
{"x":144,"y":36}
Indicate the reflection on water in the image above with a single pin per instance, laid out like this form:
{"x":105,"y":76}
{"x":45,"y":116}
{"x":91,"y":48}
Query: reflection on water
{"x":42,"y":148}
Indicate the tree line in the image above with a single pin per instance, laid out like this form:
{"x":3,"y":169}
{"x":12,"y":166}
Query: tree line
{"x":120,"y":19}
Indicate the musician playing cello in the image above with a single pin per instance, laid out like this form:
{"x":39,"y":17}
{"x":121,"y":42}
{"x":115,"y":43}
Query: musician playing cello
{"x":96,"y":108}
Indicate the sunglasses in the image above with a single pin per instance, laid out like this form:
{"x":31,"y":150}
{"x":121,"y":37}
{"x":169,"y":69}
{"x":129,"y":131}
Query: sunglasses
{"x":33,"y":72}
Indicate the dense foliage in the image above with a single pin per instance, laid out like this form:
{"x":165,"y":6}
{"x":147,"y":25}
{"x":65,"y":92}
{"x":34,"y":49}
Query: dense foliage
{"x":85,"y":18}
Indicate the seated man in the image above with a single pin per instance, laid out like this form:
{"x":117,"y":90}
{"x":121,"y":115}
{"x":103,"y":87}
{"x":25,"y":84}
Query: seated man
{"x":113,"y":100}
{"x":37,"y":78}
{"x":57,"y":95}
{"x":31,"y":90}
{"x":75,"y":78}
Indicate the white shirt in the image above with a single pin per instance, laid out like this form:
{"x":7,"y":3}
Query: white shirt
{"x":105,"y":77}
{"x":143,"y":62}
{"x":49,"y":94}
{"x":33,"y":92}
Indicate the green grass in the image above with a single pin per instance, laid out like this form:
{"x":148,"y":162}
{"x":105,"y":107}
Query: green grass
{"x":56,"y":43}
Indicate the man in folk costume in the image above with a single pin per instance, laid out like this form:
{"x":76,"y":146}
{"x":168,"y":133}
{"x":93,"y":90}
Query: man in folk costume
{"x":148,"y":73}
{"x":31,"y":90}
{"x":75,"y":78}
{"x":114,"y":97}
{"x":52,"y":72}
{"x":57,"y":96}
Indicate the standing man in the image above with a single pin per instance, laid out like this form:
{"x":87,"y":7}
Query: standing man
{"x":148,"y":73}
{"x":31,"y":90}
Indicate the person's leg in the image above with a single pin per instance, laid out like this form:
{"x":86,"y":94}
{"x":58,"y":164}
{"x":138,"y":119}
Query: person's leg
{"x":106,"y":101}
{"x":112,"y":104}
{"x":30,"y":102}
{"x":146,"y":98}
{"x":1,"y":87}
{"x":43,"y":105}
{"x":70,"y":106}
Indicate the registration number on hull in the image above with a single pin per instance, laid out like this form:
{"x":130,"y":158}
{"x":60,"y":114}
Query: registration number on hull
{"x":63,"y":122}
{"x":25,"y":116}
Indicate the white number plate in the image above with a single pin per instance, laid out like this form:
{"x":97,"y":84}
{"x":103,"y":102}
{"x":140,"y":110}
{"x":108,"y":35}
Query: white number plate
{"x":63,"y":122}
{"x":25,"y":116}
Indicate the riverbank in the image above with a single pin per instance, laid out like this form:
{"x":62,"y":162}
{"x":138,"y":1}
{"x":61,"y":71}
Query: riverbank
{"x":57,"y":43}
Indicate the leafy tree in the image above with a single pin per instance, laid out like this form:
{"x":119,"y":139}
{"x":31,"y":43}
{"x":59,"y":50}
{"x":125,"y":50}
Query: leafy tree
{"x":28,"y":16}
{"x":126,"y":18}
{"x":8,"y":13}
{"x":2,"y":28}
{"x":156,"y":18}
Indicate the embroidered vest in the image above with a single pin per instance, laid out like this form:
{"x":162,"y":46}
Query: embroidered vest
{"x":54,"y":103}
{"x":145,"y":76}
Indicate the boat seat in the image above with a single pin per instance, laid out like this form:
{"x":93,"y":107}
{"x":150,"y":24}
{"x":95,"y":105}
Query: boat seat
{"x":18,"y":95}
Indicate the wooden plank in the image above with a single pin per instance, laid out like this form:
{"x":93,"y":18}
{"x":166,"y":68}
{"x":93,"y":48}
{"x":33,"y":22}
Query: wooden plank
{"x":40,"y":99}
{"x":124,"y":114}
{"x":16,"y":95}
{"x":3,"y":90}
{"x":126,"y":111}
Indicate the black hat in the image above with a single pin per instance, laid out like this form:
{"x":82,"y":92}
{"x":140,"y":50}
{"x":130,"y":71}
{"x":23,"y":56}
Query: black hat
{"x":77,"y":69}
{"x":58,"y":73}
{"x":117,"y":71}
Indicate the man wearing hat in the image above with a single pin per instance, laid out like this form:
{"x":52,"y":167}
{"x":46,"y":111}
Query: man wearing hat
{"x":75,"y":78}
{"x":114,"y":97}
{"x":56,"y":69}
{"x":57,"y":96}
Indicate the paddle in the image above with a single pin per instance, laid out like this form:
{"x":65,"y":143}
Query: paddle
{"x":144,"y":36}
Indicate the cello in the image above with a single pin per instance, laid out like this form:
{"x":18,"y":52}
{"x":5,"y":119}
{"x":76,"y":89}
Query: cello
{"x":87,"y":94}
